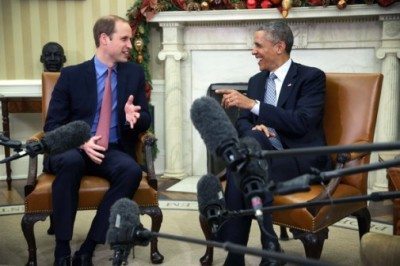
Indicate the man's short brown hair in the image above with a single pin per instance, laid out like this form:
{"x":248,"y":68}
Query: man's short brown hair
{"x":105,"y":25}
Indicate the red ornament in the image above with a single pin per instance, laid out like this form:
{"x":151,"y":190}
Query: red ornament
{"x":266,"y":4}
{"x":315,"y":2}
{"x":276,"y":2}
{"x":251,"y":4}
{"x":147,"y":89}
{"x":385,"y":3}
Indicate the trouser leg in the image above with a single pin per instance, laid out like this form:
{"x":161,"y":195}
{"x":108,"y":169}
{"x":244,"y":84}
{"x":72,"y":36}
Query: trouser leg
{"x":124,"y":175}
{"x":68,"y":168}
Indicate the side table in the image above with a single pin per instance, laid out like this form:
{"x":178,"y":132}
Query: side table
{"x":12,"y":104}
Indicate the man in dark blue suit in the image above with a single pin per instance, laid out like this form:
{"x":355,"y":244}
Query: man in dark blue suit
{"x":283,"y":109}
{"x":78,"y":95}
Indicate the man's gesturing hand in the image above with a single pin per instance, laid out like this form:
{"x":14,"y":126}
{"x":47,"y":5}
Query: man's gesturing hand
{"x":132,"y":112}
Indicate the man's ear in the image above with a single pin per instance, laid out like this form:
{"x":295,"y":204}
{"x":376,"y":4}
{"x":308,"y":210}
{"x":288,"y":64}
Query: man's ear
{"x":63,"y":59}
{"x":104,"y":38}
{"x":280,"y":47}
{"x":41,"y":59}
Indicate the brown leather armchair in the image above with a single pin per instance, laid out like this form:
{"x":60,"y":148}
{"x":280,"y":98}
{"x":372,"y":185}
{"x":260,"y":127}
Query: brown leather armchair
{"x":351,"y":109}
{"x":38,"y":188}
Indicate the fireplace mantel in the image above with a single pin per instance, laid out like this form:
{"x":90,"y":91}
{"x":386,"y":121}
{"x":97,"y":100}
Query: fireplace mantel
{"x":200,"y":48}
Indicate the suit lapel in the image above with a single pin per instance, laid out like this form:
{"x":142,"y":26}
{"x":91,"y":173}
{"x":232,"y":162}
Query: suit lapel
{"x":121,"y":83}
{"x":288,"y":85}
{"x":91,"y":83}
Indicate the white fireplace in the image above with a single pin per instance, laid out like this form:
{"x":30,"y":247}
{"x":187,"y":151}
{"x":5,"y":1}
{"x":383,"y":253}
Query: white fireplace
{"x":201,"y":48}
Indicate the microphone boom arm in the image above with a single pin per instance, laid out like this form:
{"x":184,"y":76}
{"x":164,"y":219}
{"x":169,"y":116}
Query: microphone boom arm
{"x":375,"y":196}
{"x":242,"y":249}
{"x":302,"y":183}
{"x":386,"y":146}
{"x":324,"y":176}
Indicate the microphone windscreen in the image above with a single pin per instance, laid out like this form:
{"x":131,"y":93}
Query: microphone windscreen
{"x":213,"y":123}
{"x":124,"y":218}
{"x":209,"y":193}
{"x":66,"y":137}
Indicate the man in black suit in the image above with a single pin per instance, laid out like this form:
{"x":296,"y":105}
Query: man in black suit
{"x":78,"y":95}
{"x":283,"y":109}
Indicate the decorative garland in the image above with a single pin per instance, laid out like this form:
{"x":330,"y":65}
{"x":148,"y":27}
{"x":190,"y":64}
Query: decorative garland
{"x":143,"y":10}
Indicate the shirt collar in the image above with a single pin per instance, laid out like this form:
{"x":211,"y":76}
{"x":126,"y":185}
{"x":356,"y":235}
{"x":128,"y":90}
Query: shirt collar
{"x":282,"y":71}
{"x":102,"y":68}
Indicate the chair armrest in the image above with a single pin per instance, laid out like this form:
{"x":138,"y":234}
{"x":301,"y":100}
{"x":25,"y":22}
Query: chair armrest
{"x":32,"y":166}
{"x":37,"y":137}
{"x":144,"y":154}
{"x":341,"y":160}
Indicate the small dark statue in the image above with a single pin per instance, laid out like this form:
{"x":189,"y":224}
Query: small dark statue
{"x":52,"y":57}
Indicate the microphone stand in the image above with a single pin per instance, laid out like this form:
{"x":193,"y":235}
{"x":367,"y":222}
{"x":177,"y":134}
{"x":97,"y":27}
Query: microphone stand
{"x":13,"y":144}
{"x":388,"y":146}
{"x":375,"y":196}
{"x":242,"y":249}
{"x":324,"y":176}
{"x":32,"y":149}
{"x":302,"y":183}
{"x":15,"y":156}
{"x":16,"y":145}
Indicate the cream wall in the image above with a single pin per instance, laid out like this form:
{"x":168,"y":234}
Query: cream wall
{"x":25,"y":26}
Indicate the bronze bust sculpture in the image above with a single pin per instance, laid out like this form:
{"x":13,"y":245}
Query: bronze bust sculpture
{"x":52,"y":57}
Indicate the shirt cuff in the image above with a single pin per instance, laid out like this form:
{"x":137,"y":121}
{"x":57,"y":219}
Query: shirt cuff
{"x":256,"y":108}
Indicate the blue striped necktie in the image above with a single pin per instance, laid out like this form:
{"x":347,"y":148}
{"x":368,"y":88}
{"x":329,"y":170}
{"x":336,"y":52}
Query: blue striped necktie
{"x":270,"y":98}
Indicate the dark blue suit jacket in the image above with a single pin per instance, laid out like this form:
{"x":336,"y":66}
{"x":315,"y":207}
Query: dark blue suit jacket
{"x":297,"y":118}
{"x":75,"y":97}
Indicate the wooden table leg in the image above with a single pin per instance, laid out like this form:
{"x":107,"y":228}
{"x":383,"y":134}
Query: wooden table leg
{"x":6,"y":129}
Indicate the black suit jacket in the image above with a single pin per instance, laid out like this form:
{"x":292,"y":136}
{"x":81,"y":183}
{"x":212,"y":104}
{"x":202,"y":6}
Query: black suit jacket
{"x":297,"y":118}
{"x":75,"y":97}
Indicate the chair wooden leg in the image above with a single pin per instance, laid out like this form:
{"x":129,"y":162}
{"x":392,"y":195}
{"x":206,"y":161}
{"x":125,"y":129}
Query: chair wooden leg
{"x":208,"y":257}
{"x":27,"y":224}
{"x":156,"y":220}
{"x":364,"y":221}
{"x":284,"y":234}
{"x":312,"y":242}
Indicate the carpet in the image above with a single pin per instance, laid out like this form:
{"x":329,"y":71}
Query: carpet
{"x":341,"y":248}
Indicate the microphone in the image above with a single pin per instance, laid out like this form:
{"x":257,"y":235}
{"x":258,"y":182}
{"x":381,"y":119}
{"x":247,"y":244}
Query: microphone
{"x":124,"y":216}
{"x":252,"y":177}
{"x":211,"y":201}
{"x":221,"y":137}
{"x":13,"y":144}
{"x":216,"y":130}
{"x":125,"y":230}
{"x":63,"y":138}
